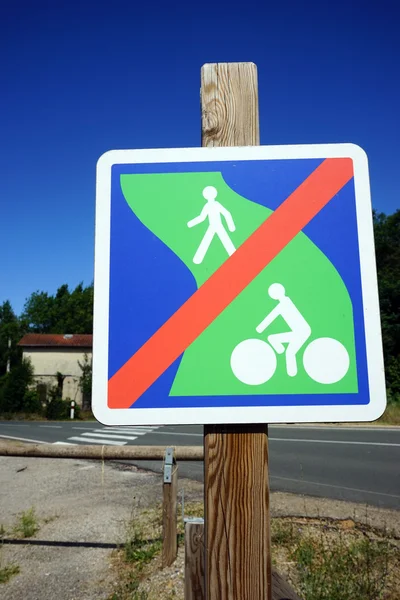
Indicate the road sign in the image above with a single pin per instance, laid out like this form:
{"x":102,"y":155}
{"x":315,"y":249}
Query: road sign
{"x":236,"y":285}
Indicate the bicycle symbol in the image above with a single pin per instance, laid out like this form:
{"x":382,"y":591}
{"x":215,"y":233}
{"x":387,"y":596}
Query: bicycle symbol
{"x":254,"y":361}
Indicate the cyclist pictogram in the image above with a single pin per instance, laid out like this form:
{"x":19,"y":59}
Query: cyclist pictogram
{"x":254,"y":361}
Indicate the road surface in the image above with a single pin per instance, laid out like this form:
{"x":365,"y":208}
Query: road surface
{"x":359,"y":464}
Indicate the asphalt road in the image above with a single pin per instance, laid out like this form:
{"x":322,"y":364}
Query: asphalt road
{"x":359,"y":464}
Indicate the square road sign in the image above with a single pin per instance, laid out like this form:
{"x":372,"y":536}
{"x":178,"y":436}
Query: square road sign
{"x":236,"y":285}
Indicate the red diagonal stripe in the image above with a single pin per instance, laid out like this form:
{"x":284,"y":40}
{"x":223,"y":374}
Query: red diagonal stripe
{"x":200,"y":310}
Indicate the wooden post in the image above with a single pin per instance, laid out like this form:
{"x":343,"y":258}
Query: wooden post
{"x":194,"y":560}
{"x":170,"y":494}
{"x":194,"y":567}
{"x":236,"y":486}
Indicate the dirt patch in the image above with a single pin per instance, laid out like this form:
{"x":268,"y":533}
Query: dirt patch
{"x":84,"y":510}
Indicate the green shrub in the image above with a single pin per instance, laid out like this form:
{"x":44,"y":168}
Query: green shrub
{"x":58,"y":409}
{"x":85,"y":382}
{"x":32,"y":403}
{"x":393,"y":398}
{"x":14,"y":386}
{"x":86,"y":415}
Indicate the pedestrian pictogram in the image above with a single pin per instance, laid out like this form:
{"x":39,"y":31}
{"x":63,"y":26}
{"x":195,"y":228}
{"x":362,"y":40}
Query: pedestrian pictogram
{"x":213,"y":211}
{"x":236,"y":285}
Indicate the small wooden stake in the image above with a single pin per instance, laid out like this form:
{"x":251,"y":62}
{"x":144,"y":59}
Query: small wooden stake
{"x":170,"y":493}
{"x":194,"y":560}
{"x":237,"y":528}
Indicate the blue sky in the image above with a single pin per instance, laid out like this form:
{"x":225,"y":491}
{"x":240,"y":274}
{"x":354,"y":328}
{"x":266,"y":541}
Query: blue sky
{"x":81,"y":78}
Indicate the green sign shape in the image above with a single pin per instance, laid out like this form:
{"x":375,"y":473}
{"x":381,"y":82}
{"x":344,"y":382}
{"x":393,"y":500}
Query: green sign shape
{"x":235,"y":355}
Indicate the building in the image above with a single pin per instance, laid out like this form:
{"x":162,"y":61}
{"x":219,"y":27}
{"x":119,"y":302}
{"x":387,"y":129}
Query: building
{"x":53,"y":353}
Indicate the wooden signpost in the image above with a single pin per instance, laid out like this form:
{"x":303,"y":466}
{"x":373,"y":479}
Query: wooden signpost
{"x":158,"y":213}
{"x":237,"y":516}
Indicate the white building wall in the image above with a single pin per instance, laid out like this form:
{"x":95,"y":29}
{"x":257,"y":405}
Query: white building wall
{"x":46,"y":362}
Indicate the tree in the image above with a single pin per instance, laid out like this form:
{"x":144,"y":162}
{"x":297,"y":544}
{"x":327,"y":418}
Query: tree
{"x":10,"y":334}
{"x":14,"y":387}
{"x":65,"y":312}
{"x":387,"y":248}
{"x":37,"y":316}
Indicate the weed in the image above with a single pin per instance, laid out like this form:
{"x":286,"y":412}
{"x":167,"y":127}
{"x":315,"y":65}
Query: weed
{"x":130,"y":589}
{"x":334,"y":570}
{"x":138,"y":549}
{"x":7,"y":572}
{"x":283,"y":534}
{"x":27,"y":524}
{"x":142,"y":544}
{"x":141,"y":552}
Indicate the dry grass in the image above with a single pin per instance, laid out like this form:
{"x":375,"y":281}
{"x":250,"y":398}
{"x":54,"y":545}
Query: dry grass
{"x":391,"y":416}
{"x":337,"y":560}
{"x":323,"y":559}
{"x":138,"y":563}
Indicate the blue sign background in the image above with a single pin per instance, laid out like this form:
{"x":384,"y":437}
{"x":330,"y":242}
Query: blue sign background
{"x":148,"y":282}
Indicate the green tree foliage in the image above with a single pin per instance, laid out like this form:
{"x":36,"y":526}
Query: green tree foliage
{"x":10,"y":330}
{"x":65,"y":312}
{"x":15,"y":395}
{"x":85,"y":382}
{"x":387,"y":247}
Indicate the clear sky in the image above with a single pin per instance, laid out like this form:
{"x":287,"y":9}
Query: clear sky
{"x":80,"y":77}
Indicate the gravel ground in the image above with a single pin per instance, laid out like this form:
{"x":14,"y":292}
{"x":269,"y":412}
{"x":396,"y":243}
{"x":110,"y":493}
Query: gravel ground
{"x":87,"y":502}
{"x":75,"y":501}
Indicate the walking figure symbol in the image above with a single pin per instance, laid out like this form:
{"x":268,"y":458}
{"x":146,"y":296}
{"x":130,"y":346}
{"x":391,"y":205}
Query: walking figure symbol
{"x":213,"y":211}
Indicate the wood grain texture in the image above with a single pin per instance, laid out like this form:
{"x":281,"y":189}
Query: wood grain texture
{"x":170,"y":533}
{"x":194,"y":561}
{"x":194,"y":568}
{"x":181,"y":453}
{"x":236,"y":485}
{"x":229,"y":105}
{"x":238,"y":560}
{"x":281,"y":590}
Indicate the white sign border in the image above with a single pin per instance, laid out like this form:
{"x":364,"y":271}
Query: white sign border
{"x":244,"y":414}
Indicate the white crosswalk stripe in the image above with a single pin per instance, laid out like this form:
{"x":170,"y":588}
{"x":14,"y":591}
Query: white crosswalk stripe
{"x":113,"y":436}
{"x":130,"y":431}
{"x":62,"y":444}
{"x":104,"y":442}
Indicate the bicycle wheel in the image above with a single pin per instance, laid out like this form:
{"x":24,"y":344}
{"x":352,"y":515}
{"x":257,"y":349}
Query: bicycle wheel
{"x":326,"y":360}
{"x":253,"y":362}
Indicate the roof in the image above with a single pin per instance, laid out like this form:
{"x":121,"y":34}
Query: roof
{"x":51,"y":340}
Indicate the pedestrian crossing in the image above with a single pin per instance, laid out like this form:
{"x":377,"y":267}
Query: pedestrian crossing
{"x":109,"y":436}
